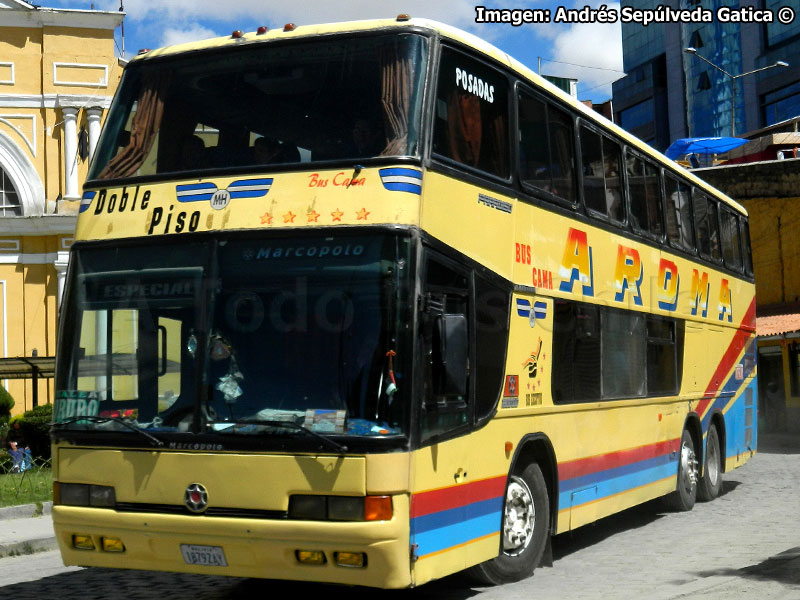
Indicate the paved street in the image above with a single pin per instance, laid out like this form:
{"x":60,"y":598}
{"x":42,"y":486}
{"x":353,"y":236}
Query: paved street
{"x":744,"y":544}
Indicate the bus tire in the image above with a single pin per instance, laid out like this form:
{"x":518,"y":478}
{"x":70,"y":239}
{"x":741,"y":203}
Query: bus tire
{"x":685,"y":494}
{"x":711,"y":481}
{"x":524,"y":530}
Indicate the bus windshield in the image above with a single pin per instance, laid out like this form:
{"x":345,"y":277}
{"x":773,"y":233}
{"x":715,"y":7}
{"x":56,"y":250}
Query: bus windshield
{"x":265,"y":104}
{"x":239,"y":335}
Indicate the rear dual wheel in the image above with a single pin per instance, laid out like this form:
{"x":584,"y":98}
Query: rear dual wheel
{"x":711,"y":482}
{"x":525,"y":529}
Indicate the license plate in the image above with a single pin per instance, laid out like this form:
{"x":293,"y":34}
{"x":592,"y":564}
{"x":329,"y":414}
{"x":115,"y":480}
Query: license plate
{"x":210,"y":556}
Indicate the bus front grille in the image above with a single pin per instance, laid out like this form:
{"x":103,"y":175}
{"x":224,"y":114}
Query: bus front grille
{"x":212,"y":511}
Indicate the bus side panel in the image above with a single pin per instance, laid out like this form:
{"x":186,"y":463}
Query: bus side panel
{"x":741,"y":425}
{"x":456,"y":504}
{"x":610,"y":455}
{"x":732,"y":391}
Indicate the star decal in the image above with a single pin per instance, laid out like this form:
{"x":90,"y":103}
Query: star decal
{"x":266,"y":219}
{"x":313,"y":216}
{"x":337,"y":215}
{"x":362,"y":214}
{"x":289,"y":217}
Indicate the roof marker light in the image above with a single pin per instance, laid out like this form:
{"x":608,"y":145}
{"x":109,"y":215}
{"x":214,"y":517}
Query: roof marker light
{"x":144,"y":51}
{"x":237,"y":34}
{"x":289,"y":27}
{"x":262,"y":30}
{"x":403,"y":17}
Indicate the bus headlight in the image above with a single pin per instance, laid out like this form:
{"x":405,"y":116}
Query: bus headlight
{"x":82,"y":494}
{"x":340,"y":508}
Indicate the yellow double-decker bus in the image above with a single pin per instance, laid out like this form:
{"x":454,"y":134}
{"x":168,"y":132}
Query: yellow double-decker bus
{"x":372,"y":303}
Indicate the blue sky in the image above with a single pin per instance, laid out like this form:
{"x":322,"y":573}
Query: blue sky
{"x":592,"y":53}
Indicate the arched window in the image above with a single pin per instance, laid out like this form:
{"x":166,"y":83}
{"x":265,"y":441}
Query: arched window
{"x":9,"y":199}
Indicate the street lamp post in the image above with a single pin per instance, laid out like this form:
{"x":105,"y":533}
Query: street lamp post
{"x":733,"y":79}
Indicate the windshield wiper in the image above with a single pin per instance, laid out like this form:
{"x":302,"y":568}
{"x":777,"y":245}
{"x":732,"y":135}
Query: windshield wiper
{"x":341,"y":448}
{"x":95,"y":419}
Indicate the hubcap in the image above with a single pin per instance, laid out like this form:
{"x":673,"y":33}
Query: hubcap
{"x":688,"y":467}
{"x":519,"y":517}
{"x":712,"y":464}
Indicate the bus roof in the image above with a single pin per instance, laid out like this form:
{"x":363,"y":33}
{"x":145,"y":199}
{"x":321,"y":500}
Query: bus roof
{"x":402,"y":22}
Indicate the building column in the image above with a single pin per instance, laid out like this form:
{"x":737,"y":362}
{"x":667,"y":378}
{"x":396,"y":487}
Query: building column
{"x":61,"y":263}
{"x":70,"y":153}
{"x":93,"y":116}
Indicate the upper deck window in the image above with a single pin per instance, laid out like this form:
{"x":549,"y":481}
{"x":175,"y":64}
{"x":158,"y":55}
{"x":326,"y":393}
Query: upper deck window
{"x":644,"y":191}
{"x":601,"y":158}
{"x":471,"y":124}
{"x":680,"y":230}
{"x":705,"y":216}
{"x":311,"y":100}
{"x":547,"y":147}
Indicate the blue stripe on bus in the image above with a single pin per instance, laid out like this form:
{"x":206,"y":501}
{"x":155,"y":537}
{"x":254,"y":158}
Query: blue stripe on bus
{"x":732,"y":387}
{"x":453,"y":516}
{"x":195,"y":192}
{"x":261,"y":188}
{"x":400,"y":171}
{"x":621,"y":479}
{"x":191,"y":187}
{"x":251,"y":182}
{"x":402,"y":187}
{"x":461,"y":532}
{"x":86,"y":201}
{"x":401,"y":180}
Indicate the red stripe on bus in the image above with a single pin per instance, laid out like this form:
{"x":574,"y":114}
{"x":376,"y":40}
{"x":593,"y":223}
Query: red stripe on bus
{"x":728,"y":359}
{"x":612,"y":460}
{"x":456,"y":496}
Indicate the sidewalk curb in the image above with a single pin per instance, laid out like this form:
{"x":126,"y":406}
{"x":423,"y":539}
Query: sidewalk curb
{"x":28,"y":547}
{"x":25,"y":511}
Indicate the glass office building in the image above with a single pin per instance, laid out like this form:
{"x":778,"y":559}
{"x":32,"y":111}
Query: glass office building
{"x":669,"y":94}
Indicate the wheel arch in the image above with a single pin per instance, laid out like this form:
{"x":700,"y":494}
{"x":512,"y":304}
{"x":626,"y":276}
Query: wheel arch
{"x":536,"y":447}
{"x":695,"y":429}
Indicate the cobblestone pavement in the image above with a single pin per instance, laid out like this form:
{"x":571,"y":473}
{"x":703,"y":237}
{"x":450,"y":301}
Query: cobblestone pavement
{"x":746,"y":543}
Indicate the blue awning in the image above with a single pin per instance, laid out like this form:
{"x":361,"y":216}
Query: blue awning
{"x":703,"y":145}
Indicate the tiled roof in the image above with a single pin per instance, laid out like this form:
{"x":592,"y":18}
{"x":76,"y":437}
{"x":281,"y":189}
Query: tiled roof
{"x":777,"y":324}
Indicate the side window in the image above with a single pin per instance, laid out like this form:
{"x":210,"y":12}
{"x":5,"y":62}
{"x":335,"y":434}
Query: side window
{"x":601,"y":353}
{"x":547,"y":147}
{"x":705,"y":218}
{"x":601,"y":159}
{"x":471,"y":125}
{"x":576,"y":353}
{"x":644,"y":192}
{"x":445,"y":339}
{"x":662,"y":357}
{"x":492,"y":305}
{"x":680,"y":230}
{"x":731,"y":245}
{"x":747,"y":254}
{"x":623,"y":347}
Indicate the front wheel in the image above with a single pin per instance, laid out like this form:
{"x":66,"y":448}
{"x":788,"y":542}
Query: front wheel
{"x":684,"y":496}
{"x":711,"y":481}
{"x":524,"y":530}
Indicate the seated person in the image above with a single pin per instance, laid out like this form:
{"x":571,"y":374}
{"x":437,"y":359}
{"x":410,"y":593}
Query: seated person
{"x":268,"y":150}
{"x":20,"y":458}
{"x":192,"y":154}
{"x":367,"y":138}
